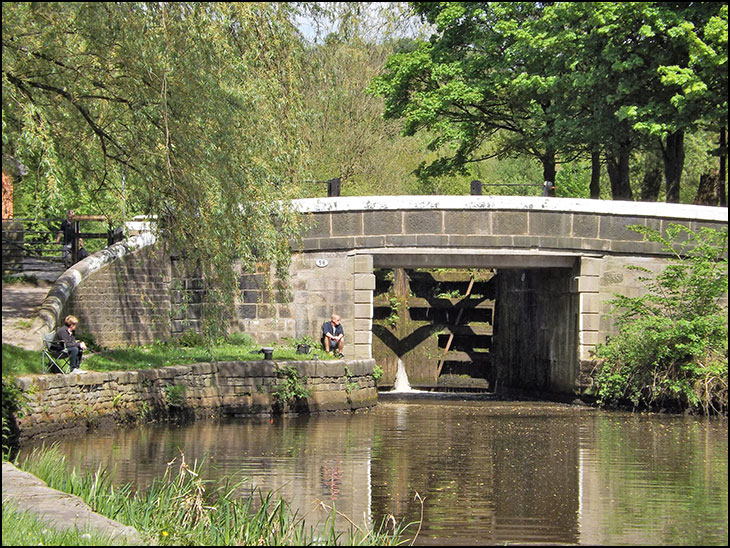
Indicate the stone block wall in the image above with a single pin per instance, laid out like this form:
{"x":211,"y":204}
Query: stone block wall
{"x":320,"y":284}
{"x":493,"y":221}
{"x":12,"y":246}
{"x":60,"y":405}
{"x":528,"y":227}
{"x":125,"y":302}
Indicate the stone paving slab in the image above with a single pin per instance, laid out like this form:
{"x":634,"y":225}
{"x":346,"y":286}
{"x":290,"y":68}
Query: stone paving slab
{"x":61,"y":510}
{"x":21,"y":303}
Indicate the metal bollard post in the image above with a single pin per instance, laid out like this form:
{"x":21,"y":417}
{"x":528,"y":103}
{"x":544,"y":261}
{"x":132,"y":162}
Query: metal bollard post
{"x":333,"y":187}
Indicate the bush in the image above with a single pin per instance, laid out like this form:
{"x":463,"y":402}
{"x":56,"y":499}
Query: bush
{"x":242,"y":339}
{"x":671,"y":347}
{"x":292,"y":389}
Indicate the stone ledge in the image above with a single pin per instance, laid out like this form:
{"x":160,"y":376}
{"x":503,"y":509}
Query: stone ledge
{"x":524,"y":203}
{"x":61,"y":510}
{"x":63,"y":404}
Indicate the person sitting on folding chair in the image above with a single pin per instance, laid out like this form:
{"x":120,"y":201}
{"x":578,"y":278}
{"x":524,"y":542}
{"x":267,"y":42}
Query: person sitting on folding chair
{"x":75,"y":348}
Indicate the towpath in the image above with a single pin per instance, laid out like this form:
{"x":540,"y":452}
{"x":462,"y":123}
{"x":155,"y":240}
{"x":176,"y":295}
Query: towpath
{"x":21,"y":303}
{"x":60,"y":510}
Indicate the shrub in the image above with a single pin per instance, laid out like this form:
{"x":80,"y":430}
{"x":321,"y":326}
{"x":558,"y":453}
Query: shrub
{"x":293,"y":389}
{"x":242,"y":339}
{"x":175,"y":395}
{"x":671,"y":346}
{"x":191,"y":339}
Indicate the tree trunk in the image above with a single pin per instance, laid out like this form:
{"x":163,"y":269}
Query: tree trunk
{"x":595,"y":187}
{"x":618,"y":173}
{"x":720,"y":188}
{"x":673,"y":154}
{"x":706,"y":189}
{"x":548,"y":166}
{"x":652,"y":182}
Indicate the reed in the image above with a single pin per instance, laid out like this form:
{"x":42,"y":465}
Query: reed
{"x":182,"y":508}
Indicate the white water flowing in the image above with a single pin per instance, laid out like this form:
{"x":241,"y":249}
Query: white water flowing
{"x":401,"y":379}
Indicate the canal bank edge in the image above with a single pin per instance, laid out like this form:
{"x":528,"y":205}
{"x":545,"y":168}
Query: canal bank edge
{"x":63,"y":405}
{"x":60,"y":510}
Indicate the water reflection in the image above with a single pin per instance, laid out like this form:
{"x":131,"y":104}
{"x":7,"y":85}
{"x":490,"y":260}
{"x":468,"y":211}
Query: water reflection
{"x":488,"y":472}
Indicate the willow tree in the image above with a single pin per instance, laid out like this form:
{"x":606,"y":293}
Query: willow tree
{"x":183,"y":111}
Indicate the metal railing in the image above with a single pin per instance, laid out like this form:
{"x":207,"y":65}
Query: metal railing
{"x":29,"y":246}
{"x":334,"y":187}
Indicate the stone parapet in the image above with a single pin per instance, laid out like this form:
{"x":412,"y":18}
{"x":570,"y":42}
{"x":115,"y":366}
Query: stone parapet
{"x":528,"y":223}
{"x":62,"y":405}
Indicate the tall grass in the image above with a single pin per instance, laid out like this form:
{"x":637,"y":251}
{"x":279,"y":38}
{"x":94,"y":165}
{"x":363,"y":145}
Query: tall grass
{"x":181,"y":508}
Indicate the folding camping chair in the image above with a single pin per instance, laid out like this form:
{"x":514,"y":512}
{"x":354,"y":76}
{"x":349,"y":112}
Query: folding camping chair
{"x":55,"y":355}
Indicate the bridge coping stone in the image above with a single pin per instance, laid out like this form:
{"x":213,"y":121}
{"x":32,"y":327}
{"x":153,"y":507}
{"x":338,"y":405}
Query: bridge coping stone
{"x":539,"y":224}
{"x":502,"y":203}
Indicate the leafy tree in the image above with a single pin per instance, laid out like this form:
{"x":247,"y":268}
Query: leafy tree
{"x":345,"y":134}
{"x":343,"y":128}
{"x":478,"y":79}
{"x":675,"y":56}
{"x":561,"y":80}
{"x":184,"y":111}
{"x":671,"y":346}
{"x":702,"y":84}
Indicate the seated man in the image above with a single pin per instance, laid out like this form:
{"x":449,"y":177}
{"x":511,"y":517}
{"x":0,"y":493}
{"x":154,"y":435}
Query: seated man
{"x":333,"y":337}
{"x":75,"y":348}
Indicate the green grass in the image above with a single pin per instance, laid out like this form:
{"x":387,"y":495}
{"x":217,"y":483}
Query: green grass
{"x":17,"y":361}
{"x":21,"y":279}
{"x":181,"y":508}
{"x":22,"y":528}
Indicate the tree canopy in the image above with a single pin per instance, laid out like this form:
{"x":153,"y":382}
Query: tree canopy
{"x":559,"y":80}
{"x":185,"y":111}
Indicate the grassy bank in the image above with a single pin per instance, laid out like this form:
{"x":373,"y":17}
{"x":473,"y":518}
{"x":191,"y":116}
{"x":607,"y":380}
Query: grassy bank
{"x":240,"y":347}
{"x":183,"y":509}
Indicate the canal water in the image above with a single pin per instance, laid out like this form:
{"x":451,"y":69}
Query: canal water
{"x":479,"y":472}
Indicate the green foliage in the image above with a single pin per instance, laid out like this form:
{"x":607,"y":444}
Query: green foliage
{"x":19,"y":361}
{"x":20,"y":279}
{"x":292,"y":388}
{"x":306,"y":340}
{"x":190,"y":339}
{"x":395,"y":310}
{"x":573,"y":181}
{"x":243,"y":339}
{"x":181,"y":508}
{"x":672,"y":342}
{"x":24,"y":528}
{"x":184,"y":111}
{"x":556,"y":81}
{"x":14,"y":402}
{"x":175,"y":395}
{"x":377,"y":373}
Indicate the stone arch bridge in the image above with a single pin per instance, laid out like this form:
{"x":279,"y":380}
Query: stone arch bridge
{"x":553,"y":263}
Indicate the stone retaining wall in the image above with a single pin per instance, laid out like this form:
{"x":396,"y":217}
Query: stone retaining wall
{"x":62,"y":405}
{"x":127,"y":301}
